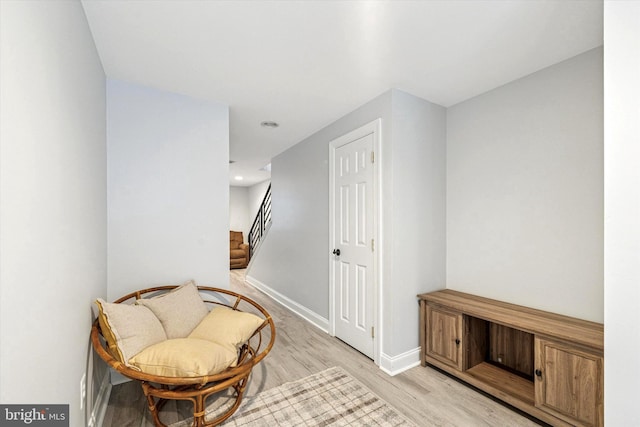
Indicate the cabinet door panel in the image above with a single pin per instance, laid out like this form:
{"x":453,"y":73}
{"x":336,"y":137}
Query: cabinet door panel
{"x":444,"y":335}
{"x":570,"y":385}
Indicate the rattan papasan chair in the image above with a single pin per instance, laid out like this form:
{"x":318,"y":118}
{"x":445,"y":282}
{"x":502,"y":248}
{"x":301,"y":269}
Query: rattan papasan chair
{"x":231,"y":335}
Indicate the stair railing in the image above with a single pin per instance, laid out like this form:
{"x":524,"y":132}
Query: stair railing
{"x":261,"y":223}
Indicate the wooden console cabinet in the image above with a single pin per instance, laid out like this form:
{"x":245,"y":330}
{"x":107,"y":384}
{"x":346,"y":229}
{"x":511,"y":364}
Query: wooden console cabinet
{"x":548,"y":365}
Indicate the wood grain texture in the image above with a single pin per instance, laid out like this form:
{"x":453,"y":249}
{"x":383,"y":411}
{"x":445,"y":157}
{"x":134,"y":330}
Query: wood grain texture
{"x":445,"y":335}
{"x":476,"y":341}
{"x":500,"y":379}
{"x":423,"y":394}
{"x":511,"y":348}
{"x":571,"y":385}
{"x":566,"y":355}
{"x":542,"y":323}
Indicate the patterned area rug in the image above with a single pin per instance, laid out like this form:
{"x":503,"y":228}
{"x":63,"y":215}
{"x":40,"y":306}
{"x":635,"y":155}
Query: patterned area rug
{"x":331,"y":397}
{"x":328,"y":398}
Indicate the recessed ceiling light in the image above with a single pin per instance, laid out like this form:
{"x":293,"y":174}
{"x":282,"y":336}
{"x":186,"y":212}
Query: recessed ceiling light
{"x":269,"y":124}
{"x":238,"y":178}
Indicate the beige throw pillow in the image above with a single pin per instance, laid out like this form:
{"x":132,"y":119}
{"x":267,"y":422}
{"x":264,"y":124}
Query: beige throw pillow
{"x":128,"y":328}
{"x":184,"y":357}
{"x":179,"y":311}
{"x":227,"y":327}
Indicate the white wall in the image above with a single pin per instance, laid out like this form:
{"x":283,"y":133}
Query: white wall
{"x":525,"y":190}
{"x":239,"y":219}
{"x":524,"y":202}
{"x":168,"y":189}
{"x":52,"y":201}
{"x":415,"y":219}
{"x":622,"y":212}
{"x":294,"y":259}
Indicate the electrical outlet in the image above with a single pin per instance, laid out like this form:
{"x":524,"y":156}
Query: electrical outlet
{"x":83,"y":390}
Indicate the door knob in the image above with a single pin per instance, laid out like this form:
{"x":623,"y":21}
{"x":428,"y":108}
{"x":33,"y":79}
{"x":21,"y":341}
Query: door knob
{"x":336,"y":252}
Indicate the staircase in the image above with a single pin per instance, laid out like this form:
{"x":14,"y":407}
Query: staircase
{"x":261,"y":223}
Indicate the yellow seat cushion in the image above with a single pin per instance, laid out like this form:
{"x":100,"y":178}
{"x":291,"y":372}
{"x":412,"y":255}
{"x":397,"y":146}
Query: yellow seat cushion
{"x":184,"y":357}
{"x":227,"y":327}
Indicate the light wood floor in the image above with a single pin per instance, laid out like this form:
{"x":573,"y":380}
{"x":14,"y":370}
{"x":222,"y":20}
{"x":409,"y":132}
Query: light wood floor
{"x":424,"y":395}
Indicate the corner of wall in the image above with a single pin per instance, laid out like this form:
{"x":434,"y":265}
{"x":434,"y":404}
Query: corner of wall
{"x":394,"y":365}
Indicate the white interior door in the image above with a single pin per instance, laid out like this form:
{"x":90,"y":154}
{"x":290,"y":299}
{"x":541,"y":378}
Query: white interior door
{"x":353,"y":241}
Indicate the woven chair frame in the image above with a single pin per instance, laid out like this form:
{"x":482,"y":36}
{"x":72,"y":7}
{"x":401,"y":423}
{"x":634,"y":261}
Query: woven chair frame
{"x":159,"y":389}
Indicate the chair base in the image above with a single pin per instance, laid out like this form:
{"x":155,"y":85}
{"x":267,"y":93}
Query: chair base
{"x":198,"y":395}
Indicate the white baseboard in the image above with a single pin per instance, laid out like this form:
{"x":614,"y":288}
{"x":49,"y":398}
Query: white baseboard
{"x":100,"y":405}
{"x":393,"y":365}
{"x":310,"y":316}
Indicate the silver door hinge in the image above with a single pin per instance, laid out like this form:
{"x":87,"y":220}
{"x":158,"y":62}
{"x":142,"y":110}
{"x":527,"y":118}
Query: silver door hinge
{"x":372,"y":245}
{"x":372,"y":333}
{"x":373,"y":157}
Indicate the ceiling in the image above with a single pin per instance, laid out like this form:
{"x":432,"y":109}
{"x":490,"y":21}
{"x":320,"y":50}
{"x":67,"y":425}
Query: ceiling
{"x":304,"y":64}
